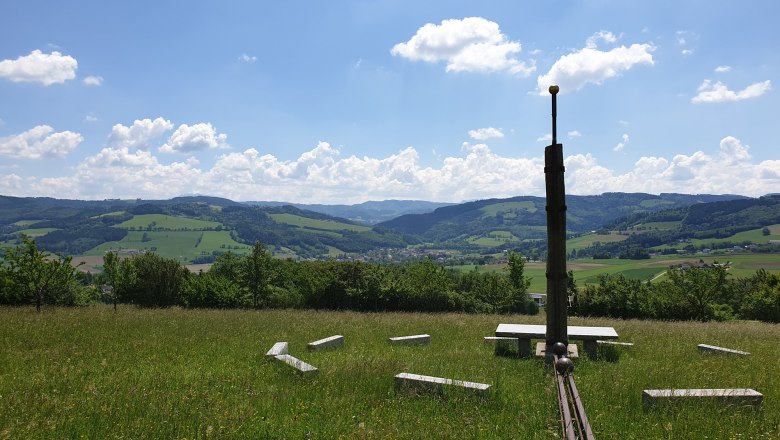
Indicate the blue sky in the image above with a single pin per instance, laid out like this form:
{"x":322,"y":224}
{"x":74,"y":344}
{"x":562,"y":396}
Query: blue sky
{"x":348,"y":101}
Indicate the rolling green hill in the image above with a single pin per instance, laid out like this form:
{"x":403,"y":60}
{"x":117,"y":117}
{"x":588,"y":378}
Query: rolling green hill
{"x":199,"y":228}
{"x":525,"y":219}
{"x":190,"y":229}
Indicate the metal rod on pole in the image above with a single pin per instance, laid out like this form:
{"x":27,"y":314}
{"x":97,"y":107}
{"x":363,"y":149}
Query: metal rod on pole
{"x":554,"y":93}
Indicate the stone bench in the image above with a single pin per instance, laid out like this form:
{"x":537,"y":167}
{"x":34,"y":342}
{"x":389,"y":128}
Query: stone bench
{"x":525,"y":332}
{"x":437,"y":384}
{"x":326,"y":343}
{"x":704,"y":348}
{"x":296,"y":363}
{"x":616,"y":343}
{"x":411,"y":340}
{"x":278,"y":349}
{"x":734,"y":396}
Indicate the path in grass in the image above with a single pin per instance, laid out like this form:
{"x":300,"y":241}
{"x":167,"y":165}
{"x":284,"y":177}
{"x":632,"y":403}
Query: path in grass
{"x":201,"y":374}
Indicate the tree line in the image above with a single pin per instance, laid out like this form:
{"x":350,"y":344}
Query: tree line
{"x":257,"y":280}
{"x":702,"y":294}
{"x":29,"y":276}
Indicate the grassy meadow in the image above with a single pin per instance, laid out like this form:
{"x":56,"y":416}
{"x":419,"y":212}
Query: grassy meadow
{"x":172,"y":373}
{"x":310,"y":223}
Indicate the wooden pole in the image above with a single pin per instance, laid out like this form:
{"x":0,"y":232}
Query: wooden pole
{"x":557,"y":298}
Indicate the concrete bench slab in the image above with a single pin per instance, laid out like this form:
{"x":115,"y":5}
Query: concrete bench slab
{"x":296,"y":363}
{"x":704,"y":348}
{"x":735,"y":396}
{"x":326,"y":343}
{"x":411,"y":340}
{"x":437,"y":384}
{"x":499,"y":339}
{"x":276,"y":350}
{"x":616,"y":343}
{"x":541,"y":350}
{"x":526,"y":332}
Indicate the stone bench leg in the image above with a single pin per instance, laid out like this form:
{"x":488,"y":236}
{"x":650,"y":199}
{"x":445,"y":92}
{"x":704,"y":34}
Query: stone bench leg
{"x":591,"y":348}
{"x":524,"y":347}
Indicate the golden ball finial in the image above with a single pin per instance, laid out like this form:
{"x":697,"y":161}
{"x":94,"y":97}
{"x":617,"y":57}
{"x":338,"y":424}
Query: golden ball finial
{"x":554,"y":89}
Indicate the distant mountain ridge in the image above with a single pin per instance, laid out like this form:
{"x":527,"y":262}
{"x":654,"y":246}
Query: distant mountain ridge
{"x":370,"y":213}
{"x":76,"y":226}
{"x":523,"y":216}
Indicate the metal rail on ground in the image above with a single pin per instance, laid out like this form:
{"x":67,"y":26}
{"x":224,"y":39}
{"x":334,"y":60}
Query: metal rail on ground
{"x":574,"y":421}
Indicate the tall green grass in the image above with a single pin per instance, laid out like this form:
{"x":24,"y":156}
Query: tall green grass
{"x":94,"y":373}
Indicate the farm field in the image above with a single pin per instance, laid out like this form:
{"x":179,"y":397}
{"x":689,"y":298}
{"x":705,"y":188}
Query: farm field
{"x":586,"y":271}
{"x":36,"y":232}
{"x":584,"y":241}
{"x":506,"y":208}
{"x":160,"y":221}
{"x":327,"y":225}
{"x":753,"y":235}
{"x":173,"y":373}
{"x":179,"y":245}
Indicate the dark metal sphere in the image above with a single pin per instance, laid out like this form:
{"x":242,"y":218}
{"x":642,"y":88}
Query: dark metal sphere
{"x":564,"y":365}
{"x":559,"y":348}
{"x":554,"y":89}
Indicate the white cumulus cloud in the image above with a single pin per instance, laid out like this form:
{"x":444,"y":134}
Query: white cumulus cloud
{"x":574,"y":134}
{"x":606,"y":36}
{"x":722,"y":69}
{"x":93,"y":80}
{"x":472,"y":44}
{"x":622,"y":144}
{"x":482,"y":134}
{"x":138,"y":135}
{"x":592,"y":66}
{"x":719,"y":92}
{"x":47,"y":69}
{"x":39,"y":142}
{"x":197,"y":137}
{"x":323,"y":175}
{"x":545,"y":138}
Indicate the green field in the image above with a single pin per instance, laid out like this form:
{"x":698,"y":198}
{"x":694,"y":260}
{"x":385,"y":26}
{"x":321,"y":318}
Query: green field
{"x":587,"y":240}
{"x":26,"y":223}
{"x":172,"y":373}
{"x":36,"y":232}
{"x":326,"y":225}
{"x":167,"y":222}
{"x":508,"y":207}
{"x":586,"y":271}
{"x":753,"y":235}
{"x":180,"y":245}
{"x":661,"y":226}
{"x":493,"y":239}
{"x":110,"y":214}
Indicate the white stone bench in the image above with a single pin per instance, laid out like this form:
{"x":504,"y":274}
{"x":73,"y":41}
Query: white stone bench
{"x":278,"y":349}
{"x":411,"y":340}
{"x":525,"y":332}
{"x":735,"y":396}
{"x":704,"y":348}
{"x":326,"y":343}
{"x":616,"y":343}
{"x":437,"y":384}
{"x":296,"y":363}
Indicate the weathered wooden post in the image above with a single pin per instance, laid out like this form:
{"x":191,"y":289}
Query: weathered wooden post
{"x":557,"y":299}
